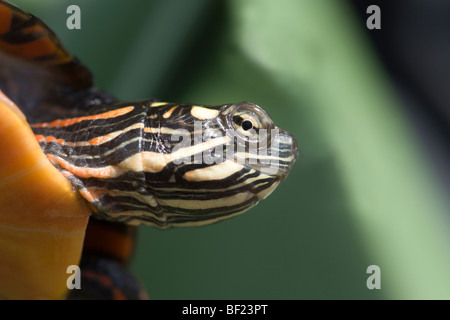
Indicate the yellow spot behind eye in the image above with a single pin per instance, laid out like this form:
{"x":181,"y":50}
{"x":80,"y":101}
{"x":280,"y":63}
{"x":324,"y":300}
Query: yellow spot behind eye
{"x":169,"y":113}
{"x":202,"y":113}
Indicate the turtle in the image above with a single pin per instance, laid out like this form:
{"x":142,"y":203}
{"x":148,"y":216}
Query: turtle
{"x":81,"y":170}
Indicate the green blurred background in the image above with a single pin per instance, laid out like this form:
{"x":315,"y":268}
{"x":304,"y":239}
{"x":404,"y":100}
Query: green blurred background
{"x":362,"y":193}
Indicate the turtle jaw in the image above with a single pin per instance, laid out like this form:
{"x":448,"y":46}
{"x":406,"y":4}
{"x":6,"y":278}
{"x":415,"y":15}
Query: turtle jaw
{"x":207,"y":193}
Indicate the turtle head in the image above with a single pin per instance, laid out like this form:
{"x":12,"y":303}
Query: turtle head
{"x":212,"y":163}
{"x":168,"y":164}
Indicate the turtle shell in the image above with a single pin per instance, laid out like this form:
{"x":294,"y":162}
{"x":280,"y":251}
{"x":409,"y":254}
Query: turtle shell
{"x":42,"y":220}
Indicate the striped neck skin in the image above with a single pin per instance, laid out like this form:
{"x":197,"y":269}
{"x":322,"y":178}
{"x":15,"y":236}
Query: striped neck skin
{"x":166,"y":164}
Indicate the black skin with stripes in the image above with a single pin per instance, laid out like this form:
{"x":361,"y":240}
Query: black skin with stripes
{"x":149,"y":196}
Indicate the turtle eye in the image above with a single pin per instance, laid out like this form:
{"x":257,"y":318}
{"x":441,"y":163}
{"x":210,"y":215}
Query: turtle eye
{"x":247,"y":121}
{"x":247,"y":125}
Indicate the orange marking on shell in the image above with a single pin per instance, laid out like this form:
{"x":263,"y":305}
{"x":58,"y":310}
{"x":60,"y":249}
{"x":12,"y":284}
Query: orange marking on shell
{"x":33,"y":29}
{"x":5,"y":19}
{"x":169,"y":113}
{"x":102,"y":279}
{"x":68,"y":122}
{"x":105,"y":282}
{"x":37,"y":48}
{"x":114,"y":242}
